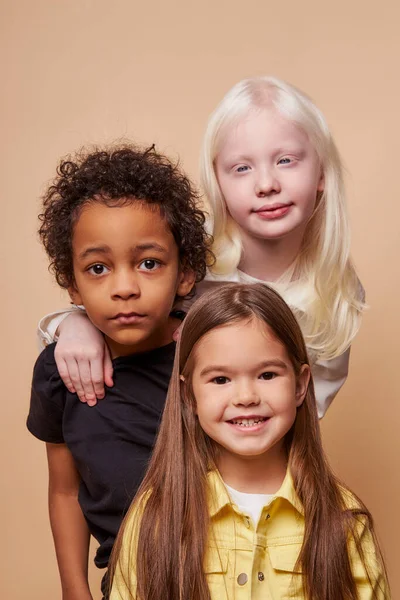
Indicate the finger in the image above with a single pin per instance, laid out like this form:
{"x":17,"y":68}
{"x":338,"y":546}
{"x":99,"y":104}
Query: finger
{"x":64,"y":373}
{"x":108,"y":368}
{"x":74,"y":373}
{"x":96,"y":371}
{"x":86,"y":381}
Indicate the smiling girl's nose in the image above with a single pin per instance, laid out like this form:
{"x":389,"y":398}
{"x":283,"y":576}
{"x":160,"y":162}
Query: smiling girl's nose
{"x":246,"y":395}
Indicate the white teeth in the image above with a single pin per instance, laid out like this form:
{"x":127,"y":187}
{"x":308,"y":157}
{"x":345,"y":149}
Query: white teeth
{"x":247,"y":422}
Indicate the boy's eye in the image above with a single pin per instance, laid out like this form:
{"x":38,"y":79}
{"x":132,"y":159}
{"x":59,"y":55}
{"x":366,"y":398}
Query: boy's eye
{"x":98,"y":269}
{"x":220,"y":380}
{"x":149,"y":264}
{"x":268,"y":375}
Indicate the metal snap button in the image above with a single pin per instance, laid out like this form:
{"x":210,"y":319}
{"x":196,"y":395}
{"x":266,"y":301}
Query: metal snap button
{"x":268,"y":516}
{"x":260,"y":576}
{"x":242,"y":579}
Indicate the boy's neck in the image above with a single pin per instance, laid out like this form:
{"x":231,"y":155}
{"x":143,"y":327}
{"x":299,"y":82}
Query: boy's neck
{"x":157,"y":340}
{"x":268,"y":260}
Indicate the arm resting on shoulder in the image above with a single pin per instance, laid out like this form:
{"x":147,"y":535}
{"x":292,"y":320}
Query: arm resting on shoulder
{"x":47,"y":330}
{"x":70,"y":531}
{"x":82,"y":356}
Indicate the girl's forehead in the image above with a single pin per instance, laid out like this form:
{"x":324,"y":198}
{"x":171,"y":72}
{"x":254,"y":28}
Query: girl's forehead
{"x":233,"y":338}
{"x":260,"y":127}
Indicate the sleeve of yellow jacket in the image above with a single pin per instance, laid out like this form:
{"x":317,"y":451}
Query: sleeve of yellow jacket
{"x":124,"y":581}
{"x":376,"y":586}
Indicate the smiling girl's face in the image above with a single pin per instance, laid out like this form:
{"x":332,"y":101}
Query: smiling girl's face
{"x":246,"y":390}
{"x":269,"y":175}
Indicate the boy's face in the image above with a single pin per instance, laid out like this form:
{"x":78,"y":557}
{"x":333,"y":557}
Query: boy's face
{"x":127,"y":274}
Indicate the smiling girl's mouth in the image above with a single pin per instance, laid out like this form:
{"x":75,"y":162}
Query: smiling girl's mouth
{"x":247,"y":423}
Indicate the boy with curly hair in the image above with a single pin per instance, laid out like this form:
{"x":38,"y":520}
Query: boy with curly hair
{"x":126,"y":238}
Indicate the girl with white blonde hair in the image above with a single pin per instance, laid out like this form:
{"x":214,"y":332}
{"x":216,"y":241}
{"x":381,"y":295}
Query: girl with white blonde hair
{"x":272,"y":175}
{"x":273,"y":184}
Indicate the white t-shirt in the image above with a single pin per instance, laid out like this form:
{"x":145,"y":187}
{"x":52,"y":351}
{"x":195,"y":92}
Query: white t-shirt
{"x":250,"y":504}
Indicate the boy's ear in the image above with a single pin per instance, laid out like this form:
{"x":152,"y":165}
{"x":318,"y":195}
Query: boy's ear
{"x":74,"y":294}
{"x":303,"y":379}
{"x":187,"y":279}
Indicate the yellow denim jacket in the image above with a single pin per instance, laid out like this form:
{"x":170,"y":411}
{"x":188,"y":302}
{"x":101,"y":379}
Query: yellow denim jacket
{"x":247,"y":563}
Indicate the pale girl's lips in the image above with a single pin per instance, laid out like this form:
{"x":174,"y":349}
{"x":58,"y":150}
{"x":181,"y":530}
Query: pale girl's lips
{"x":273,"y":211}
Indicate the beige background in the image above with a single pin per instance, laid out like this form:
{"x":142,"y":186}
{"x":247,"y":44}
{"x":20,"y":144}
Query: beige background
{"x":89,"y":71}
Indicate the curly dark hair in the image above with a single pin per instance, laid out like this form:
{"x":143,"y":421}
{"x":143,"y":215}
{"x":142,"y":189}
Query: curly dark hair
{"x":118,"y":174}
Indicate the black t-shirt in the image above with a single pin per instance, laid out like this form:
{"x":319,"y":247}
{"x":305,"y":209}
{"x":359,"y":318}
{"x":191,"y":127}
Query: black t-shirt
{"x":111,"y":442}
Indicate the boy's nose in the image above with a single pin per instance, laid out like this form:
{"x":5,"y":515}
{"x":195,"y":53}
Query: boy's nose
{"x":125,"y":285}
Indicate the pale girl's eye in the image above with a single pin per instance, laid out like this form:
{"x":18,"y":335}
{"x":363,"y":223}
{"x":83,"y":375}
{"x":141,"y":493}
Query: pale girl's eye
{"x":98,"y":269}
{"x":242,"y":169}
{"x":268,"y":375}
{"x":284,"y":161}
{"x":149,"y":264}
{"x":220,"y":380}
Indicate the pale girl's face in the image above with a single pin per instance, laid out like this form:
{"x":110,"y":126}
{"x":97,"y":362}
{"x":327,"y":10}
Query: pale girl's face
{"x":246,"y":389}
{"x":269,"y":175}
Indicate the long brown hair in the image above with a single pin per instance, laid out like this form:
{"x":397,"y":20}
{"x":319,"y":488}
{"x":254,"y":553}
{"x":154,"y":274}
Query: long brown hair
{"x":173,"y":529}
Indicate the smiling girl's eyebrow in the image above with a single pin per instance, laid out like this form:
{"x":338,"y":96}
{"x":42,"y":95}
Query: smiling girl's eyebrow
{"x":262,"y":365}
{"x":135,"y":249}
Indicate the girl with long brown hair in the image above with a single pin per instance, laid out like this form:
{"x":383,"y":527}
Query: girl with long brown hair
{"x":239,"y":500}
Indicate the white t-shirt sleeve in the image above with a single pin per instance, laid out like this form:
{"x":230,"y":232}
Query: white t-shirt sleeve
{"x":329,"y":376}
{"x":47,"y":327}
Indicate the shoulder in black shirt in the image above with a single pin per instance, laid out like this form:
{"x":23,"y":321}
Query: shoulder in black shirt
{"x":111,"y":442}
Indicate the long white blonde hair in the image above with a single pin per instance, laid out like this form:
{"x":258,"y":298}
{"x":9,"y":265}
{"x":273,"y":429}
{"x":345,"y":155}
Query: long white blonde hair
{"x":322,"y":281}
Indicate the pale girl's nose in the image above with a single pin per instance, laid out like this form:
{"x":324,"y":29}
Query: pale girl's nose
{"x":267,"y":183}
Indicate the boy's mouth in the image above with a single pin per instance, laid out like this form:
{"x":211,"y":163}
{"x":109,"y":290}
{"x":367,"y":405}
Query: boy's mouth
{"x":128,"y":318}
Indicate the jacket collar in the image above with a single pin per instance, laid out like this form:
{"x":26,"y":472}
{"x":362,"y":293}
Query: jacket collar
{"x":218,"y":496}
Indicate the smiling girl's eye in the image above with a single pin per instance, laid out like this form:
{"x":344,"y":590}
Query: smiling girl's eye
{"x":268,"y":375}
{"x":242,"y":169}
{"x":284,"y":161}
{"x":98,"y":269}
{"x":220,"y":380}
{"x":149,"y":264}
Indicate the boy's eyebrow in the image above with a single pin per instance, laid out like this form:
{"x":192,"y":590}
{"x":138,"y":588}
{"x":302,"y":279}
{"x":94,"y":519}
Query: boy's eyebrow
{"x":262,"y":365}
{"x":94,"y":250}
{"x":150,"y":246}
{"x":107,"y":250}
